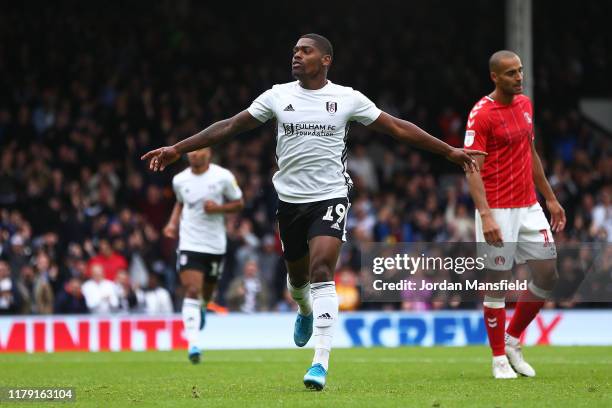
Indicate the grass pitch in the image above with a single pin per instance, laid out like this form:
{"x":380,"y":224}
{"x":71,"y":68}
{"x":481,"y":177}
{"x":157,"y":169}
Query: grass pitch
{"x":378,"y":377}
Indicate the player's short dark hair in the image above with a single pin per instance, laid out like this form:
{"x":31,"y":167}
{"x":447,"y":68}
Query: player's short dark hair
{"x":322,"y":43}
{"x":496,"y":58}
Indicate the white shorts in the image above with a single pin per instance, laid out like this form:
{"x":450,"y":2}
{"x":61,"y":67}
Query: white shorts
{"x":526,"y":234}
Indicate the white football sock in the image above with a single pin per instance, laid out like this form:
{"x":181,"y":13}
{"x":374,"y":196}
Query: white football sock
{"x":325,"y":309}
{"x":301,"y":297}
{"x":191,"y":319}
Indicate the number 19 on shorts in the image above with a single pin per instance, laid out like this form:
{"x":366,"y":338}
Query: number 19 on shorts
{"x":340,"y":210}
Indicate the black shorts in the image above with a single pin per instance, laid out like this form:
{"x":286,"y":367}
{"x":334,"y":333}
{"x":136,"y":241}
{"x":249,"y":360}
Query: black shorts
{"x":298,"y":223}
{"x":211,"y":265}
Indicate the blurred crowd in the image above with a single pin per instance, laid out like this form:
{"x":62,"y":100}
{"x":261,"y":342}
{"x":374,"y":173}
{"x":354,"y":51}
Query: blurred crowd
{"x":85,"y":93}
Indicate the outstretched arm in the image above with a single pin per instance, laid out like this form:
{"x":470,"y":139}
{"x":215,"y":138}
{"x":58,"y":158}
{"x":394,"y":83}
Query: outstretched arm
{"x":215,"y":133}
{"x":557,"y":213}
{"x":414,"y":135}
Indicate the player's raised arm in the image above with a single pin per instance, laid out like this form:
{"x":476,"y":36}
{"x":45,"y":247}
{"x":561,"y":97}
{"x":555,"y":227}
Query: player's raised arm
{"x":410,"y":133}
{"x":215,"y":133}
{"x":557,"y":213}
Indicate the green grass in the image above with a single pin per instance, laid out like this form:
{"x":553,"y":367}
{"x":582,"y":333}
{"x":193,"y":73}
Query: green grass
{"x":421,"y":377}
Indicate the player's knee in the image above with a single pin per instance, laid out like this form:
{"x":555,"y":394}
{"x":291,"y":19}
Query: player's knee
{"x":321,"y":272}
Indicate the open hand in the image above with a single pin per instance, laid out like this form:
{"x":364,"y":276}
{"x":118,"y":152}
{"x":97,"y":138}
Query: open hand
{"x":491,"y":231}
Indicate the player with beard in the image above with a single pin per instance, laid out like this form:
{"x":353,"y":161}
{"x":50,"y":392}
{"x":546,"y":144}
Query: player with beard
{"x":510,"y":223}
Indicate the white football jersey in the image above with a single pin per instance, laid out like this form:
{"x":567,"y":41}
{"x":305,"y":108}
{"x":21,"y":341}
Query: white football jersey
{"x":201,"y":232}
{"x":312,"y":128}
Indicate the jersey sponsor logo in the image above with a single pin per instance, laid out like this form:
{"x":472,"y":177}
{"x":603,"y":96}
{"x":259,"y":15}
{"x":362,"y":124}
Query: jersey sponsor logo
{"x":332,"y":107}
{"x":470,"y":135}
{"x":500,"y":260}
{"x":527,"y":117}
{"x":288,"y":128}
{"x":289,"y":108}
{"x":308,"y":129}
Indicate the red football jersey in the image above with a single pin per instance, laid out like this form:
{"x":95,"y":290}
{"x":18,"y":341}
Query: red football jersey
{"x":505,"y":132}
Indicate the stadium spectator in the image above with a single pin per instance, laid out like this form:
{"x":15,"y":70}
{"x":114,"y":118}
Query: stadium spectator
{"x":138,"y":270}
{"x":360,"y":164}
{"x":35,"y":291}
{"x":460,"y":225}
{"x":346,"y":287}
{"x":10,"y":300}
{"x":70,"y":299}
{"x":48,"y":270}
{"x":127,"y":295}
{"x":19,"y":253}
{"x":99,"y":292}
{"x":268,"y":261}
{"x":362,"y":221}
{"x":111,"y":261}
{"x":155,"y":298}
{"x":247,"y":292}
{"x":249,"y":244}
{"x":601,"y":228}
{"x":155,"y":207}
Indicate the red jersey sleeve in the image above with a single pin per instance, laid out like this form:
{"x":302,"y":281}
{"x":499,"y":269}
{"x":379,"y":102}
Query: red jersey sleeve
{"x":477,"y":129}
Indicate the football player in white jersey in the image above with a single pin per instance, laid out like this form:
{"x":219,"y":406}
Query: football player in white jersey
{"x":204,"y":192}
{"x":312,"y":116}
